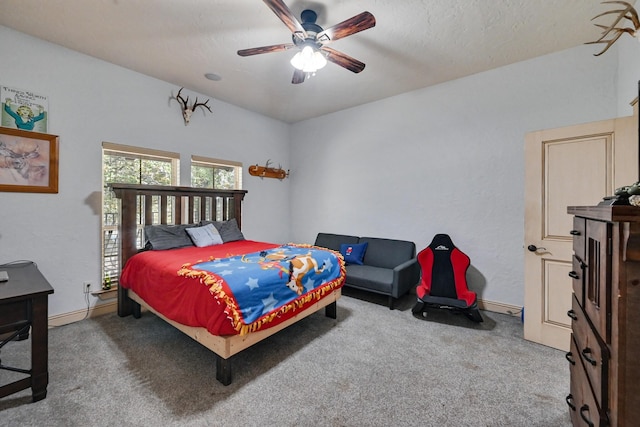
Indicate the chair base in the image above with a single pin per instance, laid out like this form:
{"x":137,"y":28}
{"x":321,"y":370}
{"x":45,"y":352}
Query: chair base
{"x":471,"y":312}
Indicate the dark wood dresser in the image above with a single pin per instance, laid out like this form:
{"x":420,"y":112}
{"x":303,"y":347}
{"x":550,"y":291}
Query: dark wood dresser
{"x":605,"y":340}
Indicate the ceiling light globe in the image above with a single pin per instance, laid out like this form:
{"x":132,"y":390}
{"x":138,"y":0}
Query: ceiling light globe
{"x":309,"y":59}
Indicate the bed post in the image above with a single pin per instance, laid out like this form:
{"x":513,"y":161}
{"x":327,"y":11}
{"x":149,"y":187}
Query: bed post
{"x":237,"y":208}
{"x":331,"y":311}
{"x":223,"y":370}
{"x":128,"y":230}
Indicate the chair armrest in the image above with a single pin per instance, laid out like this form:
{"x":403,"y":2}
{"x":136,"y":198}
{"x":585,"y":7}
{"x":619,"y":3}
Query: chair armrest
{"x":405,"y":276}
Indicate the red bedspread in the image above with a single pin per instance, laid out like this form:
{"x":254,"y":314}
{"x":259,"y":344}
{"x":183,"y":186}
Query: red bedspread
{"x":153,"y":276}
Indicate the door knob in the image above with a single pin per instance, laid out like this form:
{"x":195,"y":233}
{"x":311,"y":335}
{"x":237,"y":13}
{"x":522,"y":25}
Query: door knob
{"x":534,"y":248}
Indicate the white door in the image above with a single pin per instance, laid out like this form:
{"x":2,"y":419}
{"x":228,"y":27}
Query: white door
{"x":573,"y":166}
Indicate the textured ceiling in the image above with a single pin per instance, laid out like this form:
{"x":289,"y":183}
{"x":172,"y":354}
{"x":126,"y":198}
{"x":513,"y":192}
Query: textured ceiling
{"x":415,"y":43}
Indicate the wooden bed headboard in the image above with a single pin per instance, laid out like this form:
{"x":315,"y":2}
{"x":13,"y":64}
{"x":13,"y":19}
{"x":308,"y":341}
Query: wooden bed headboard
{"x":176,"y":205}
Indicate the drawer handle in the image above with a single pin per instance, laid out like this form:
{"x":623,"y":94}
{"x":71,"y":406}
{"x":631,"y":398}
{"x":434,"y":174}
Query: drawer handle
{"x":583,"y":409}
{"x":574,"y":275}
{"x":569,"y":400}
{"x":569,"y":357}
{"x":572,"y":314}
{"x":586,"y":353}
{"x":575,"y":232}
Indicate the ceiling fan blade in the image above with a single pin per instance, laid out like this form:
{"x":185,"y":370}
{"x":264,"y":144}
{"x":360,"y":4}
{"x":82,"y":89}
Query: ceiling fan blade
{"x":284,"y":13}
{"x":343,"y":60}
{"x":298,"y":77}
{"x":353,"y":25}
{"x":266,"y":49}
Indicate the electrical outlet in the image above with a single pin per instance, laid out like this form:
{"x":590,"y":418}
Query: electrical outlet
{"x":86,"y":287}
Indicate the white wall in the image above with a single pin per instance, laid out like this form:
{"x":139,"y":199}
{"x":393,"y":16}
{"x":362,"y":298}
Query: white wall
{"x":628,"y":73}
{"x":443,"y":159}
{"x":446,"y":159}
{"x":91,"y":101}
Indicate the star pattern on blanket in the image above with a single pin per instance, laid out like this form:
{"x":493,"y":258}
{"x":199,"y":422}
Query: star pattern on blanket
{"x":252,"y":283}
{"x":309,"y":285}
{"x":258,"y":285}
{"x":269,"y":303}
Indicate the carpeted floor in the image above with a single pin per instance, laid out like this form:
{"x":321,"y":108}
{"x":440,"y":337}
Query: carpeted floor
{"x":371,"y":367}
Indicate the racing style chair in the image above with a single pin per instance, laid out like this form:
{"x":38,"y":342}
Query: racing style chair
{"x":444,"y":283}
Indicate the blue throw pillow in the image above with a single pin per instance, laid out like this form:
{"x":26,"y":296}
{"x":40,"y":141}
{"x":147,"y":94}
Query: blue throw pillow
{"x":353,"y":253}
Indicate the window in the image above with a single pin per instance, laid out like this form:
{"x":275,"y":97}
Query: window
{"x":131,"y":165}
{"x":215,"y":173}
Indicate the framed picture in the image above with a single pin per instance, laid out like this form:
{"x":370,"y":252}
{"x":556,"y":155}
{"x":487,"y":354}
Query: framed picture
{"x":28,"y":161}
{"x":22,"y":109}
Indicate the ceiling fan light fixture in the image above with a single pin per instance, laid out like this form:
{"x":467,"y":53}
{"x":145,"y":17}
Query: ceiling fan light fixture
{"x":309,"y":59}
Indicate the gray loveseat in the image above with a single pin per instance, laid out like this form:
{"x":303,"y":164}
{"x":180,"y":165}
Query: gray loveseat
{"x":389,"y":267}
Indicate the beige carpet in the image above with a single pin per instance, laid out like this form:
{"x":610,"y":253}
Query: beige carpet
{"x":371,"y":367}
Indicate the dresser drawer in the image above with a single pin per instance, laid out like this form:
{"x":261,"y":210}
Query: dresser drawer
{"x":583,"y":409}
{"x":597,"y":287}
{"x":593,"y":353}
{"x":578,"y":232}
{"x":577,"y":275}
{"x":579,"y":266}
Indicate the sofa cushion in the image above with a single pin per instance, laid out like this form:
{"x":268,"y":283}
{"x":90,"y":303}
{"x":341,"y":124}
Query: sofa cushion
{"x":387,"y":253}
{"x":372,"y":278}
{"x":353,"y":253}
{"x":333,"y":241}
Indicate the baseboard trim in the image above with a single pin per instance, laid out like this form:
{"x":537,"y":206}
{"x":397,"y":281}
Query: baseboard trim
{"x":499,"y":307}
{"x":78,"y":315}
{"x":111,"y":307}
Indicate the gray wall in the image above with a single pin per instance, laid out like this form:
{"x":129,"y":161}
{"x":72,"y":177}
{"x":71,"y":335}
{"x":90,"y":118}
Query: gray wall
{"x":91,"y":101}
{"x":448,"y":159}
{"x":442,"y":159}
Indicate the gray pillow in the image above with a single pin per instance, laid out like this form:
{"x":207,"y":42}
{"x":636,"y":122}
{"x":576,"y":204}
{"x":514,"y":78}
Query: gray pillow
{"x":162,"y":237}
{"x":216,"y":224}
{"x":229,"y":230}
{"x":207,"y":235}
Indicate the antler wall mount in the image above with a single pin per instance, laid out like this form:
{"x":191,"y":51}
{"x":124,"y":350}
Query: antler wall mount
{"x":628,"y":13}
{"x":268,"y":172}
{"x":187,"y":110}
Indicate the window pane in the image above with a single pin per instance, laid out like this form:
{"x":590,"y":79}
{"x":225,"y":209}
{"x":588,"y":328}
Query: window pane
{"x":128,"y":168}
{"x":202,"y":176}
{"x":225,"y":178}
{"x":215,"y":176}
{"x":121,"y":169}
{"x":155,"y":172}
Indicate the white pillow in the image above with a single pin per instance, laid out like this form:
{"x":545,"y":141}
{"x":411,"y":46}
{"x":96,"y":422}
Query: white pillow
{"x":207,"y":235}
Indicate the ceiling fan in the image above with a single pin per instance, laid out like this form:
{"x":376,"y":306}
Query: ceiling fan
{"x":311,"y":40}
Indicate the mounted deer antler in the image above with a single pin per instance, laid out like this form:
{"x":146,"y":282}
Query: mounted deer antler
{"x":186,"y":110}
{"x":627,"y":13}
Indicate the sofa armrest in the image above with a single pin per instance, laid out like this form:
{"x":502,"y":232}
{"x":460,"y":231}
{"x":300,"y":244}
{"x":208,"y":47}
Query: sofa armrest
{"x":405,"y":276}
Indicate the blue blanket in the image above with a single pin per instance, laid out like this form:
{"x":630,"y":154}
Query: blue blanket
{"x":264,"y":282}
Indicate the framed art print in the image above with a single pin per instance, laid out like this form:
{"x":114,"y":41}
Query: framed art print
{"x":28,"y":161}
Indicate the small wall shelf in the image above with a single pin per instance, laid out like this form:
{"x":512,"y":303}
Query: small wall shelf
{"x":105,"y":294}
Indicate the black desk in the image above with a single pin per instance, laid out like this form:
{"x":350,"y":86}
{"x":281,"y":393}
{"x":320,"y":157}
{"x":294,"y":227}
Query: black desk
{"x":24,"y":305}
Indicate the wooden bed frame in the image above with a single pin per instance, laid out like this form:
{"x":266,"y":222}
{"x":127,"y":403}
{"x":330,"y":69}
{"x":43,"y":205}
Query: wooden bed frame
{"x":190,"y":205}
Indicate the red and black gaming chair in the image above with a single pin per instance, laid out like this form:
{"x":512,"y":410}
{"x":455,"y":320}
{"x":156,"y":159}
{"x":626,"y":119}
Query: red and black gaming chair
{"x":444,"y":282}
